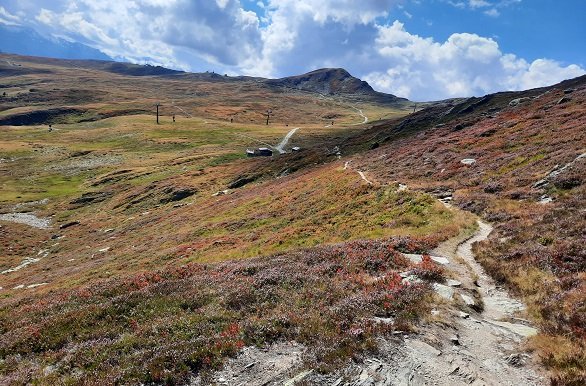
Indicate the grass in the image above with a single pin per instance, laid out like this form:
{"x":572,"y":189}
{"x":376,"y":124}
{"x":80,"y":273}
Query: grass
{"x":536,"y":249}
{"x":145,"y":316}
{"x":164,"y":326}
{"x":184,"y":285}
{"x":40,"y":187}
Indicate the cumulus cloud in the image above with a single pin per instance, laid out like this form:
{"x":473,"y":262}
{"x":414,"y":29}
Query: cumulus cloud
{"x":160,"y":31}
{"x":293,"y":36}
{"x":489,"y":8}
{"x":465,"y":64}
{"x":8,"y":18}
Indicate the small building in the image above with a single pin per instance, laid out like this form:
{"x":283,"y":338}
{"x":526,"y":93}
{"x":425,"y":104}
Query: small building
{"x":260,"y":152}
{"x":265,"y":152}
{"x":296,"y":148}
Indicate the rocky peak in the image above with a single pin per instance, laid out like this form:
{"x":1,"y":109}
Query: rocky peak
{"x":329,"y":81}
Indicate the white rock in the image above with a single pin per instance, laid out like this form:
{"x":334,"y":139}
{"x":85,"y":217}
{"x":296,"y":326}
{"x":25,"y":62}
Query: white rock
{"x":414,"y":258}
{"x":519,"y":329}
{"x":440,"y":260}
{"x":417,"y":258}
{"x":411,"y":279}
{"x":444,"y":291}
{"x":36,"y":285}
{"x":467,"y":299}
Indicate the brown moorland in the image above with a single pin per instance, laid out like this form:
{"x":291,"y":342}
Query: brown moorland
{"x":154,"y":279}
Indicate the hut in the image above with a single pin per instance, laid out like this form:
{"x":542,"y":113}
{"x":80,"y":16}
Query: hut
{"x":260,"y":152}
{"x":265,"y":152}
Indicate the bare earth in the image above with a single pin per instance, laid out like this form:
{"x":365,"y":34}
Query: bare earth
{"x":464,"y":347}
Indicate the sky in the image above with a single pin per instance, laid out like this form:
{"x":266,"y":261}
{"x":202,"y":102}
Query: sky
{"x":419,"y":49}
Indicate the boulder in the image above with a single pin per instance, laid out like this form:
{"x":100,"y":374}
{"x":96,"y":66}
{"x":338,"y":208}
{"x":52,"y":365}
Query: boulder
{"x":518,"y":101}
{"x":469,"y":300}
{"x":564,"y":100}
{"x":68,"y":224}
{"x":444,"y":291}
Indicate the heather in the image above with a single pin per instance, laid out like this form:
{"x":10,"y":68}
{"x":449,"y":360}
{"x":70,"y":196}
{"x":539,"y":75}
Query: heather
{"x":528,"y":181}
{"x":165,"y":326}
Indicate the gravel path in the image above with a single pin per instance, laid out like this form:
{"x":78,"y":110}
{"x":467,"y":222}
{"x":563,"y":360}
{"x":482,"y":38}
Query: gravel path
{"x":27,"y":219}
{"x":280,"y":147}
{"x":362,"y":115}
{"x":467,"y":348}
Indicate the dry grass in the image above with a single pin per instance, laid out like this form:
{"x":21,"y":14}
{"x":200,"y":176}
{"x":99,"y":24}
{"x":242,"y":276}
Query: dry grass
{"x":537,"y":249}
{"x":165,"y":326}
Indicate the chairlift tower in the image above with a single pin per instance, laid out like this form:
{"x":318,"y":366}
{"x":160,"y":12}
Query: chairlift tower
{"x":157,"y":106}
{"x":268,"y":114}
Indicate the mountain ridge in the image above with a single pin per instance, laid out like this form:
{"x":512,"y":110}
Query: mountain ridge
{"x":26,"y":41}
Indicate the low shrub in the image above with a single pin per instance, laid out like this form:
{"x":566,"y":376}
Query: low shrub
{"x":165,"y":326}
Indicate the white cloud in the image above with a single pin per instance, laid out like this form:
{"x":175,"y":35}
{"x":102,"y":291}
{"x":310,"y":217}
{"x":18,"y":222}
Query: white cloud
{"x":493,"y":12}
{"x":465,"y":64}
{"x":546,"y":72}
{"x":478,"y":3}
{"x":489,"y":8}
{"x":167,"y":32}
{"x":296,"y":36}
{"x":8,"y":18}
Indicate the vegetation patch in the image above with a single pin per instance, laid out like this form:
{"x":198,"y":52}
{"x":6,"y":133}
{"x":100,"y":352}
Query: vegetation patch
{"x":165,"y":326}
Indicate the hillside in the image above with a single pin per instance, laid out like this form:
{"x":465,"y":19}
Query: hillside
{"x":93,"y":90}
{"x":135,"y":252}
{"x":332,"y":81}
{"x":526,"y":176}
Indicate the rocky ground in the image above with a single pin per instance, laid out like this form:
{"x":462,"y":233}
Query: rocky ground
{"x":476,"y":337}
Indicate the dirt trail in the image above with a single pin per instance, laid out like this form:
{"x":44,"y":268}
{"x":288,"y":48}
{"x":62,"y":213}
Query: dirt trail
{"x":364,"y":177}
{"x":362,"y":115}
{"x":360,"y":173}
{"x":280,"y":147}
{"x":466,"y":346}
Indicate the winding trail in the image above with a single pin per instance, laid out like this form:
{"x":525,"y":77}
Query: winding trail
{"x":497,"y":302}
{"x":360,"y":173}
{"x":475,"y":336}
{"x":362,"y":115}
{"x":467,"y":348}
{"x":280,"y":147}
{"x":364,"y":177}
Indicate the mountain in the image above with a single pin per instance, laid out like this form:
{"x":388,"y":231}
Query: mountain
{"x":332,"y":81}
{"x":26,"y":41}
{"x":329,"y":81}
{"x":234,"y":98}
{"x":135,"y":250}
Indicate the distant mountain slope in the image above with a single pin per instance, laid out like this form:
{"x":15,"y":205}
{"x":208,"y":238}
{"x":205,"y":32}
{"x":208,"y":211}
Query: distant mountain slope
{"x":332,"y":81}
{"x":26,"y":41}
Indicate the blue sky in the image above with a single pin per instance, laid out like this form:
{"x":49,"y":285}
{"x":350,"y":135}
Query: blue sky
{"x":420,"y":49}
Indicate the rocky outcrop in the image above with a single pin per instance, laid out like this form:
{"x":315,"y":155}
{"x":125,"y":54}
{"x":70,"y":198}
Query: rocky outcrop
{"x":333,"y":81}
